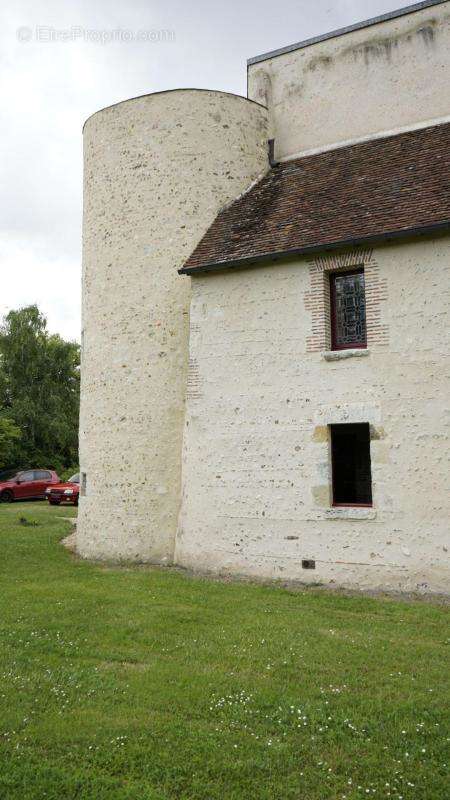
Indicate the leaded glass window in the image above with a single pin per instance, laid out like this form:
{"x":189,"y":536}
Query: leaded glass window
{"x":348,"y":309}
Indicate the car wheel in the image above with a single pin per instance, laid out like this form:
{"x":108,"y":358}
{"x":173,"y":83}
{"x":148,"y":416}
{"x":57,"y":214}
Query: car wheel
{"x":75,"y":502}
{"x":54,"y":502}
{"x":6,"y":496}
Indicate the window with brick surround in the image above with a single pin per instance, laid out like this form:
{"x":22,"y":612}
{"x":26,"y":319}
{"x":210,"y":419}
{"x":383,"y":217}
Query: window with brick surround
{"x":348,"y":310}
{"x":350,"y":464}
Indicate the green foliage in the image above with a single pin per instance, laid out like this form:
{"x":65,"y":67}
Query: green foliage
{"x":148,"y":684}
{"x":9,"y":435}
{"x":39,"y":393}
{"x":67,"y":473}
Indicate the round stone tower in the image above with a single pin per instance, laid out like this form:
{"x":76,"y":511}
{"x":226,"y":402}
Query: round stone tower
{"x":157,"y":169}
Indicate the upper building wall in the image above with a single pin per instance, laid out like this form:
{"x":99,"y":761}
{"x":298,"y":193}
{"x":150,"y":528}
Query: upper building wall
{"x":388,"y":76}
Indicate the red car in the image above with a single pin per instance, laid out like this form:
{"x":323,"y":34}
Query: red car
{"x":67,"y":492}
{"x":29,"y":484}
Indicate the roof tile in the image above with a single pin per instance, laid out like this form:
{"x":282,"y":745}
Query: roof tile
{"x":363,"y":191}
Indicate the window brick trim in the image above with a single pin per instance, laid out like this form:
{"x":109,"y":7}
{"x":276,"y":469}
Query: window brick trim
{"x":317,"y":298}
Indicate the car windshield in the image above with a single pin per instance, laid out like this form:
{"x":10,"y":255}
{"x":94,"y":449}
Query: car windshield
{"x":74,"y":479}
{"x":8,"y":474}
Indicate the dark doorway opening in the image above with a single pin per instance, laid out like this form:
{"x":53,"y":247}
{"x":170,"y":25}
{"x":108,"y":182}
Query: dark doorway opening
{"x":350,"y":461}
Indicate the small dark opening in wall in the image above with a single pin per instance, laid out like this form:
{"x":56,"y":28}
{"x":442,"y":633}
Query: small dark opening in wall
{"x":308,"y":563}
{"x":271,"y":150}
{"x":350,"y":460}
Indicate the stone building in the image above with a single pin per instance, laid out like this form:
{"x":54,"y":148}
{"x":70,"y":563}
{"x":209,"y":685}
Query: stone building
{"x":265,"y":285}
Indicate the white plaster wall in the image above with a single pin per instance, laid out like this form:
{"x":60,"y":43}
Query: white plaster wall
{"x":256,"y":474}
{"x":385,"y":77}
{"x":157,"y":169}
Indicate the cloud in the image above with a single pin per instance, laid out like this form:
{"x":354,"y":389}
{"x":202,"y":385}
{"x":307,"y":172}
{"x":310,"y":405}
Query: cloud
{"x":36,"y":276}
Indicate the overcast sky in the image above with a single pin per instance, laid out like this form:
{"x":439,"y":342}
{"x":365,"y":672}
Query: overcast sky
{"x":48,"y":88}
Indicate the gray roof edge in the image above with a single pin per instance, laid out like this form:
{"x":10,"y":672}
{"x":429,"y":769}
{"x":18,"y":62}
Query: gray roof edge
{"x":400,"y":12}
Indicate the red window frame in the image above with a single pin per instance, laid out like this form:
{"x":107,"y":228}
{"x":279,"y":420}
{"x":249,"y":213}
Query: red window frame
{"x":334,"y":344}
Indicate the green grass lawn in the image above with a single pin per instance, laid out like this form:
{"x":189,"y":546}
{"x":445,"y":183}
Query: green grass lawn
{"x":147,"y":684}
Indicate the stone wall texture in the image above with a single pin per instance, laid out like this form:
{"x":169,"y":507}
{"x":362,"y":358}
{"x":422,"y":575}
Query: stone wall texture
{"x":385,"y":77}
{"x":256,"y":462}
{"x":157,"y":170}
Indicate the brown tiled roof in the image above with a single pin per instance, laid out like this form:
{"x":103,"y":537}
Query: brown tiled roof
{"x":393,"y":186}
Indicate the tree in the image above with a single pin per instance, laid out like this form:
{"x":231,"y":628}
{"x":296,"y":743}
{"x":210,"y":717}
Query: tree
{"x":39,"y":392}
{"x":9,"y":434}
